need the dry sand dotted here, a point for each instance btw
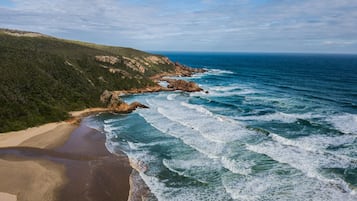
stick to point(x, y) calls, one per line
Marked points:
point(61, 161)
point(7, 197)
point(45, 136)
point(30, 178)
point(88, 111)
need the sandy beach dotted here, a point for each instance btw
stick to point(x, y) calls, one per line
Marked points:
point(61, 161)
point(44, 136)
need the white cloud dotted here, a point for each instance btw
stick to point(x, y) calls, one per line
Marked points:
point(246, 25)
point(340, 42)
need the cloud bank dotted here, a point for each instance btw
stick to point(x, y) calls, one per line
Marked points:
point(201, 25)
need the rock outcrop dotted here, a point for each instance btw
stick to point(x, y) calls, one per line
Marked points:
point(107, 59)
point(135, 64)
point(127, 108)
point(140, 64)
point(111, 99)
point(180, 71)
point(157, 60)
point(115, 104)
point(185, 71)
point(19, 33)
point(182, 85)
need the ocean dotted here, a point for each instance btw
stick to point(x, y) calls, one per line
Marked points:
point(266, 127)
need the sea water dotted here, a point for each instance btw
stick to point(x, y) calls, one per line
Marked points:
point(269, 127)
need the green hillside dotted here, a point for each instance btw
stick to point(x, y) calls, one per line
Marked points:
point(42, 78)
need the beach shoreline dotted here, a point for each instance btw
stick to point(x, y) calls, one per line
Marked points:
point(24, 173)
point(74, 156)
point(59, 161)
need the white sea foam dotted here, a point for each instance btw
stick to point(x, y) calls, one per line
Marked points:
point(279, 102)
point(242, 92)
point(109, 121)
point(198, 127)
point(194, 162)
point(140, 160)
point(225, 88)
point(308, 162)
point(315, 142)
point(236, 88)
point(319, 144)
point(171, 97)
point(226, 91)
point(112, 130)
point(111, 146)
point(303, 144)
point(277, 116)
point(195, 125)
point(187, 135)
point(198, 108)
point(346, 123)
point(155, 186)
point(242, 188)
point(214, 128)
point(204, 126)
point(198, 75)
point(139, 145)
point(163, 193)
point(218, 72)
point(194, 168)
point(274, 186)
point(163, 83)
point(133, 146)
point(138, 188)
point(108, 129)
point(168, 166)
point(237, 167)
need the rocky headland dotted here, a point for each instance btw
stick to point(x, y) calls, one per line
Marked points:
point(115, 104)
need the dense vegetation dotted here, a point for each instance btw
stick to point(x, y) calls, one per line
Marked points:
point(42, 78)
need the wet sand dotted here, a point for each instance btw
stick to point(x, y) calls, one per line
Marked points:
point(96, 174)
point(58, 164)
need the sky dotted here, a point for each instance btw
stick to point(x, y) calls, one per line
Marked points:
point(319, 26)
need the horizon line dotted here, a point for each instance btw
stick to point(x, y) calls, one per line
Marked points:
point(251, 52)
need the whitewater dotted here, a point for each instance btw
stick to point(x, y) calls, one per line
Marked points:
point(269, 127)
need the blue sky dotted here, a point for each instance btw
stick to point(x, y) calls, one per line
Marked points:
point(328, 26)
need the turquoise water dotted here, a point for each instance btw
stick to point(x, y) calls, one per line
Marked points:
point(271, 127)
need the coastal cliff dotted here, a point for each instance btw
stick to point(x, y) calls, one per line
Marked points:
point(42, 78)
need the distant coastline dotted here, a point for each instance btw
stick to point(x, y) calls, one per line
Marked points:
point(56, 150)
point(252, 53)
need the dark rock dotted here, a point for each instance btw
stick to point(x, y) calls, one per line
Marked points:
point(116, 104)
point(106, 97)
point(111, 99)
point(183, 85)
point(135, 105)
point(126, 108)
point(185, 71)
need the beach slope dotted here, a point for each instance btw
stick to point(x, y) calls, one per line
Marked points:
point(61, 161)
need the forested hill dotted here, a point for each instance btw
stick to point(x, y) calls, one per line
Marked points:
point(42, 77)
